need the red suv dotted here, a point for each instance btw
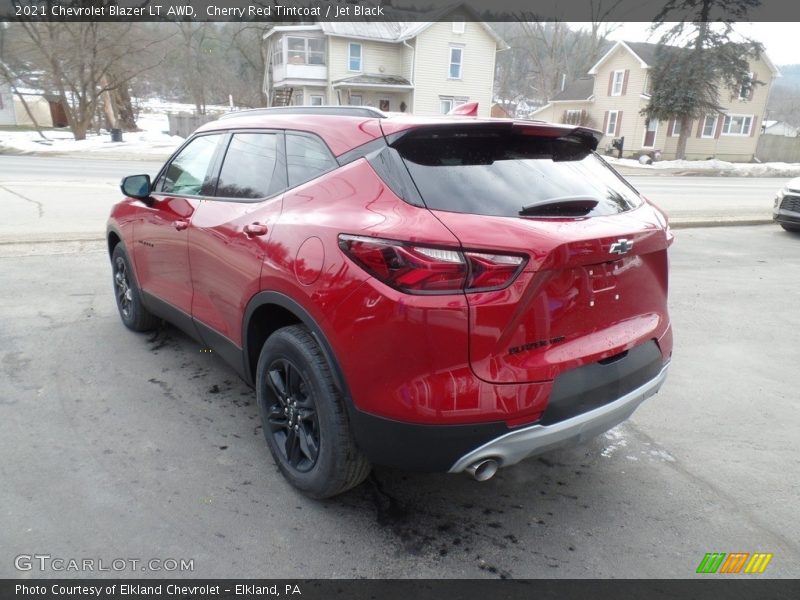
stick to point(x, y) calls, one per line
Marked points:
point(448, 294)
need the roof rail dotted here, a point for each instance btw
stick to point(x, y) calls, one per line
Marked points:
point(342, 111)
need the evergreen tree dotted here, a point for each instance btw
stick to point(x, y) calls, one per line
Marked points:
point(699, 60)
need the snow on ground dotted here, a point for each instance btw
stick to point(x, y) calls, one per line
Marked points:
point(153, 140)
point(711, 167)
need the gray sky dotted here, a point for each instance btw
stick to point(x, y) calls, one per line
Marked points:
point(780, 39)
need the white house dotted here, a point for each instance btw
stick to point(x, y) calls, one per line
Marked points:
point(425, 67)
point(616, 89)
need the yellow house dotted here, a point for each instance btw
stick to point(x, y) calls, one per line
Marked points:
point(424, 68)
point(617, 88)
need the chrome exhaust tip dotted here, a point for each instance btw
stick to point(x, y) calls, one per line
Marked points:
point(484, 469)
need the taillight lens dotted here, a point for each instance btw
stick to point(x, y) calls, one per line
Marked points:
point(419, 269)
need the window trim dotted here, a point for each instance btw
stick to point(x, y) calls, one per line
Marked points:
point(212, 169)
point(313, 136)
point(306, 51)
point(321, 99)
point(360, 68)
point(280, 166)
point(621, 73)
point(454, 101)
point(749, 88)
point(714, 120)
point(460, 63)
point(616, 122)
point(655, 132)
point(676, 127)
point(729, 119)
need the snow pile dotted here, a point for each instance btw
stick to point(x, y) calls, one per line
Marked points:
point(719, 167)
point(152, 141)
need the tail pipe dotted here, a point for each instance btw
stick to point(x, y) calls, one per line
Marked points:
point(484, 469)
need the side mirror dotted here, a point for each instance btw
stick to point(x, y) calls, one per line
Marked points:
point(136, 186)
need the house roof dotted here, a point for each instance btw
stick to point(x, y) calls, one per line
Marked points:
point(577, 89)
point(645, 53)
point(373, 79)
point(390, 31)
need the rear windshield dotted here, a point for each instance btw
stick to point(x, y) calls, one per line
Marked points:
point(510, 174)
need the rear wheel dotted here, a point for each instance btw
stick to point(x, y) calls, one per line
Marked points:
point(304, 418)
point(791, 228)
point(129, 301)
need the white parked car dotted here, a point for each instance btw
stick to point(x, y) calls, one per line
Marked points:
point(786, 210)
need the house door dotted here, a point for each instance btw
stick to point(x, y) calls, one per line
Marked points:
point(650, 133)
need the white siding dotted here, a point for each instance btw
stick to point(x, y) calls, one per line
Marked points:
point(377, 58)
point(433, 62)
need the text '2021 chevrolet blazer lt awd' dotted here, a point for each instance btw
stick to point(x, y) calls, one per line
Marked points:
point(440, 294)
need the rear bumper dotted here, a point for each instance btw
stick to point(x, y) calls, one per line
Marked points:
point(513, 447)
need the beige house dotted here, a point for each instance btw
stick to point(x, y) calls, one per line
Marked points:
point(616, 89)
point(424, 68)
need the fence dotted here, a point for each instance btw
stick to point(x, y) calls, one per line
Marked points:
point(183, 124)
point(777, 148)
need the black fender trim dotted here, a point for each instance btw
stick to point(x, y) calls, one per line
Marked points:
point(284, 301)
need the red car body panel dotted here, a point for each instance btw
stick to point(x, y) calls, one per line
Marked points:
point(161, 254)
point(226, 261)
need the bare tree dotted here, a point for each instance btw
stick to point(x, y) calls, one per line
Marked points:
point(83, 62)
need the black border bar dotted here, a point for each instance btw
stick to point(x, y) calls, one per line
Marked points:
point(292, 11)
point(710, 588)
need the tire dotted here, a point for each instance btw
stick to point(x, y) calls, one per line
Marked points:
point(791, 228)
point(304, 417)
point(126, 292)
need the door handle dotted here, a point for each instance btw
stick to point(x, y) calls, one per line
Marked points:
point(180, 225)
point(255, 229)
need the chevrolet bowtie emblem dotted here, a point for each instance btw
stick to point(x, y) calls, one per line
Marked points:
point(621, 247)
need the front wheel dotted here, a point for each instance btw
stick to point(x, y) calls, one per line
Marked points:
point(304, 417)
point(129, 301)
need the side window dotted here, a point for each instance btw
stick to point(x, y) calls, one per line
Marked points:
point(306, 157)
point(188, 173)
point(249, 166)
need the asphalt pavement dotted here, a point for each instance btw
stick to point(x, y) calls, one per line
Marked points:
point(140, 446)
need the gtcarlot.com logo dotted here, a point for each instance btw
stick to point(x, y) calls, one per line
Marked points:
point(47, 562)
point(734, 562)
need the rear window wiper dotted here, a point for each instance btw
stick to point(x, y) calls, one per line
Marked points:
point(563, 206)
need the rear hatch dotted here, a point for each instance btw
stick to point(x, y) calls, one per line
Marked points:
point(595, 281)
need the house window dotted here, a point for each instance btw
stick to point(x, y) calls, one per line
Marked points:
point(356, 100)
point(384, 104)
point(613, 118)
point(676, 127)
point(448, 103)
point(354, 57)
point(306, 51)
point(573, 117)
point(277, 52)
point(616, 86)
point(298, 99)
point(708, 126)
point(737, 124)
point(746, 88)
point(647, 90)
point(316, 100)
point(456, 60)
point(458, 26)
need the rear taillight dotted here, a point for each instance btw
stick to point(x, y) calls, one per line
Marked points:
point(419, 269)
